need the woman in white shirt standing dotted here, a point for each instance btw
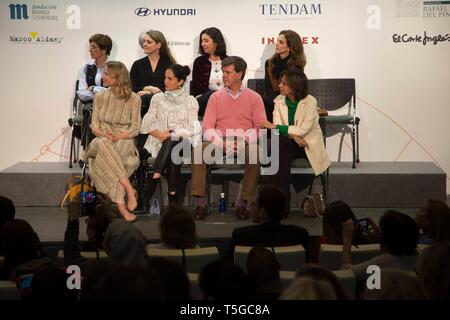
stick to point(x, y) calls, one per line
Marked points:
point(172, 117)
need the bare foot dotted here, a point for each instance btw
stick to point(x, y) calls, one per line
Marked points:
point(127, 216)
point(130, 217)
point(132, 201)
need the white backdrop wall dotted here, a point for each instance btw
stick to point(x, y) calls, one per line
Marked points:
point(403, 92)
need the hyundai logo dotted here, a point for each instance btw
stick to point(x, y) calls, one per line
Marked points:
point(142, 12)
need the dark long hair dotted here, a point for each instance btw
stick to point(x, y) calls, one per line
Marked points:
point(296, 58)
point(217, 37)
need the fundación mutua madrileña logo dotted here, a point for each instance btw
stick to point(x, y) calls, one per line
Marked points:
point(45, 12)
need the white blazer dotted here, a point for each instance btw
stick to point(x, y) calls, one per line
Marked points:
point(306, 125)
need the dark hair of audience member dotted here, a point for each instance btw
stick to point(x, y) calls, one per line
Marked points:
point(396, 284)
point(318, 273)
point(434, 270)
point(436, 221)
point(173, 278)
point(7, 213)
point(273, 201)
point(264, 269)
point(128, 283)
point(223, 280)
point(51, 284)
point(177, 228)
point(93, 271)
point(7, 210)
point(20, 244)
point(399, 233)
point(334, 215)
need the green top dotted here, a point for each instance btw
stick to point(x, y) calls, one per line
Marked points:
point(292, 108)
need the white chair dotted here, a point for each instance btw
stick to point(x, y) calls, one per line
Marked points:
point(192, 260)
point(330, 254)
point(347, 280)
point(8, 291)
point(286, 278)
point(289, 257)
point(90, 255)
point(196, 291)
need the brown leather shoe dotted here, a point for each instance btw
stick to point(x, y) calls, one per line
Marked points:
point(242, 213)
point(200, 213)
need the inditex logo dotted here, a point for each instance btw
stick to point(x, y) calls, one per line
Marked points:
point(18, 11)
point(144, 12)
point(290, 9)
point(305, 40)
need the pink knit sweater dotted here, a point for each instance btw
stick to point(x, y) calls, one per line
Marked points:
point(223, 112)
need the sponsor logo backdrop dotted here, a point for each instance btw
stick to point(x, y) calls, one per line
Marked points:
point(396, 50)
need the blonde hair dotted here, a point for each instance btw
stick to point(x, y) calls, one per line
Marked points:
point(118, 71)
point(306, 288)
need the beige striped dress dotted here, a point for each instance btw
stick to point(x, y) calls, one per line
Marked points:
point(109, 161)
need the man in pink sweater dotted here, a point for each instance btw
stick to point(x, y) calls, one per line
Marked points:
point(233, 113)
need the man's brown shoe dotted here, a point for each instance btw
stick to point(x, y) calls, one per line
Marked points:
point(242, 213)
point(200, 213)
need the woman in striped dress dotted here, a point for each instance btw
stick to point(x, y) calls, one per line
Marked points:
point(113, 155)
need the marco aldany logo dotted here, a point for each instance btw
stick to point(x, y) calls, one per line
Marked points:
point(34, 37)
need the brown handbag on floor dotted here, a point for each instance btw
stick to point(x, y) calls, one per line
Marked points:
point(313, 205)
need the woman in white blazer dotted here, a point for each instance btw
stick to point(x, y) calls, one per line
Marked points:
point(296, 119)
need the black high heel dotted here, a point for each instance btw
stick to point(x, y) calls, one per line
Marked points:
point(172, 198)
point(150, 190)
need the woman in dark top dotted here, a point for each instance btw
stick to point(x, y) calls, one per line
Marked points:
point(147, 74)
point(289, 54)
point(207, 71)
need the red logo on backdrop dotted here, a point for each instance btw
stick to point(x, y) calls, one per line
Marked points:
point(305, 40)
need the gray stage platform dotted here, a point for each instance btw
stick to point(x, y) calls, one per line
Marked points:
point(370, 185)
